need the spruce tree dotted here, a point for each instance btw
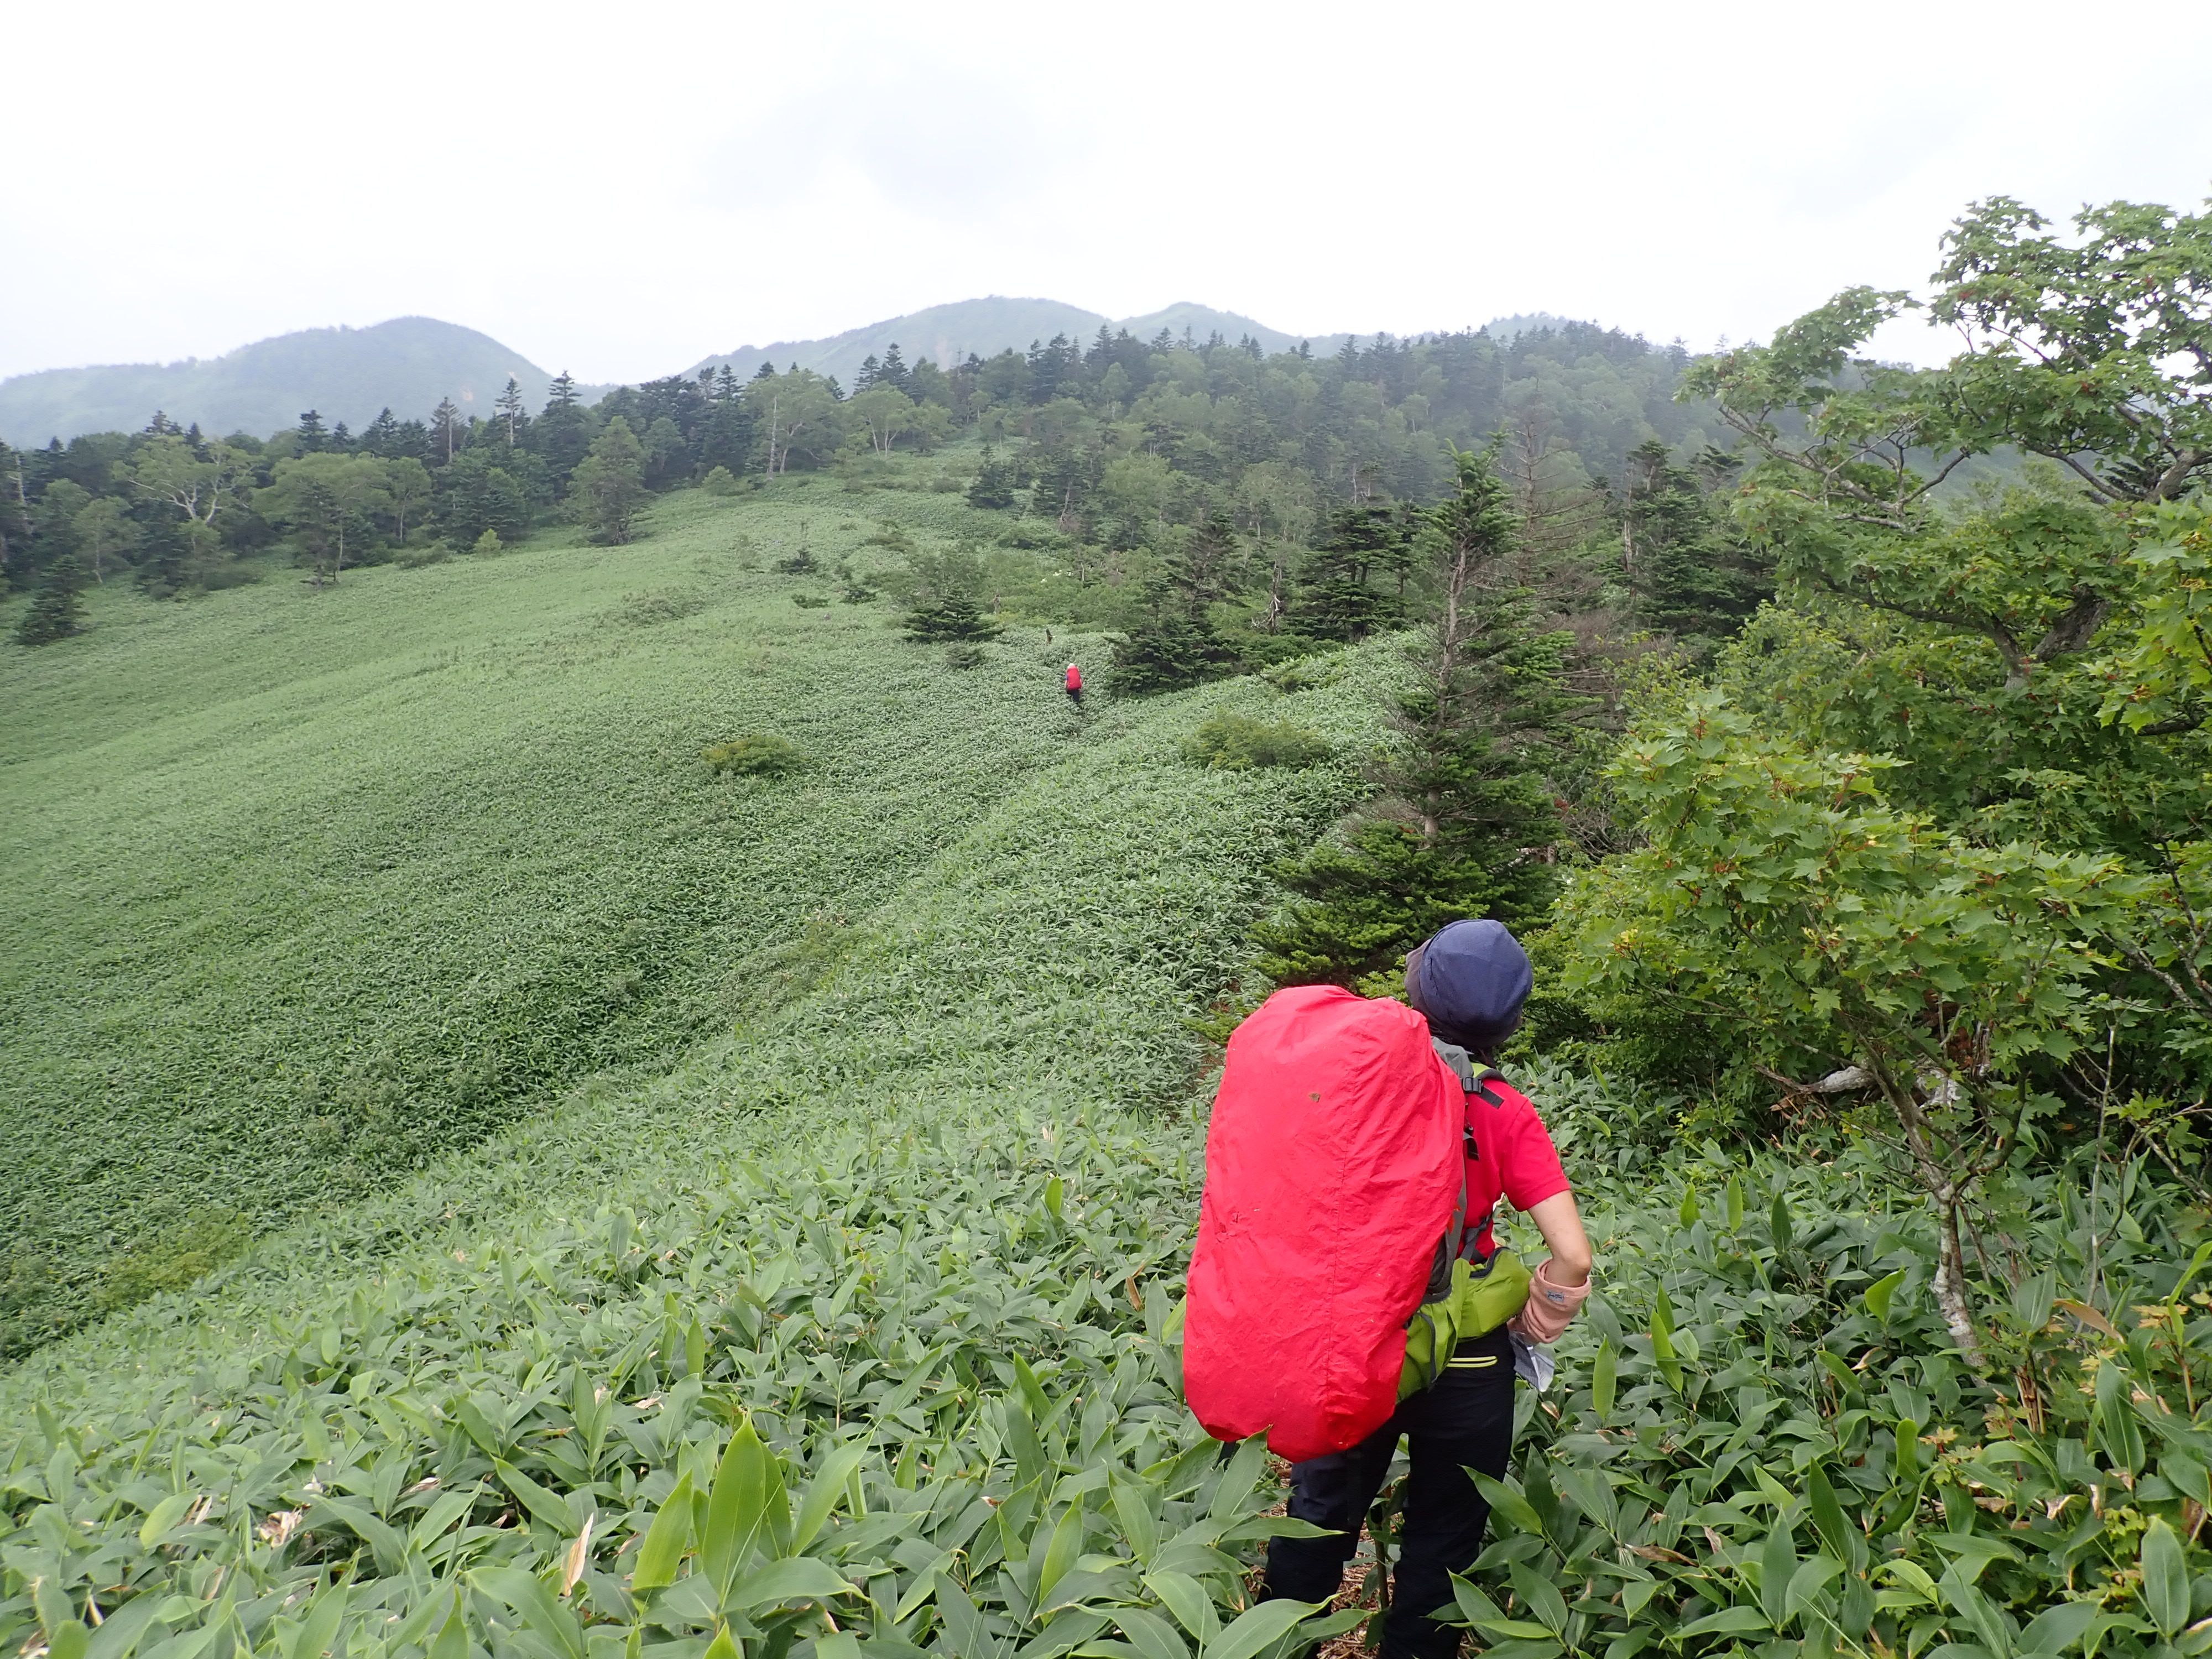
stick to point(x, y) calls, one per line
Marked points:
point(313, 439)
point(945, 604)
point(1337, 598)
point(1686, 572)
point(57, 612)
point(1466, 822)
point(509, 405)
point(1174, 643)
point(995, 481)
point(446, 433)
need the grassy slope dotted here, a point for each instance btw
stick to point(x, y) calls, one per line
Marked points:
point(1015, 1007)
point(296, 892)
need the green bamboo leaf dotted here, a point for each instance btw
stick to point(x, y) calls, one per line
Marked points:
point(546, 1505)
point(1727, 1621)
point(1060, 1553)
point(1138, 1525)
point(1828, 1519)
point(1514, 1630)
point(69, 1640)
point(832, 1481)
point(318, 1634)
point(1734, 1198)
point(1777, 1223)
point(1183, 1596)
point(795, 1578)
point(453, 1640)
point(1663, 1352)
point(923, 1588)
point(163, 1516)
point(2165, 1578)
point(666, 1540)
point(1258, 1627)
point(1807, 1581)
point(735, 1503)
point(1150, 1634)
point(1604, 1379)
point(1506, 1501)
point(1877, 1294)
point(1541, 1597)
point(722, 1646)
point(529, 1597)
point(1778, 1565)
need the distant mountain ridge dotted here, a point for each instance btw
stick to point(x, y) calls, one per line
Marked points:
point(346, 373)
point(946, 334)
point(409, 363)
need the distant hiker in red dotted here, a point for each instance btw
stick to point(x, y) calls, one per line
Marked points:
point(1346, 1289)
point(1075, 685)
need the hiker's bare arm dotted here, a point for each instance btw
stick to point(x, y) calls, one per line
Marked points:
point(1561, 1224)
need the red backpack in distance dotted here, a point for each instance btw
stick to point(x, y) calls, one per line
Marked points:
point(1333, 1166)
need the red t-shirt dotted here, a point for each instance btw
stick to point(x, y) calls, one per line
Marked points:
point(1074, 678)
point(1514, 1158)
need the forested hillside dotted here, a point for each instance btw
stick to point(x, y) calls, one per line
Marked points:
point(610, 1067)
point(347, 373)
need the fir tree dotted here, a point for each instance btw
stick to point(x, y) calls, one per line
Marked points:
point(381, 435)
point(446, 433)
point(57, 612)
point(509, 405)
point(946, 605)
point(1686, 573)
point(1337, 598)
point(1466, 819)
point(995, 481)
point(561, 394)
point(313, 439)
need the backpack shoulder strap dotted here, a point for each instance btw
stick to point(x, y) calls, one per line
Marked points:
point(1479, 1084)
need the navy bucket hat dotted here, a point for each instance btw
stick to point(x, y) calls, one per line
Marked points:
point(1471, 979)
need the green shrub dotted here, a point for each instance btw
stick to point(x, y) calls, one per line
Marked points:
point(1306, 673)
point(963, 654)
point(810, 602)
point(173, 1257)
point(1230, 742)
point(435, 551)
point(489, 544)
point(720, 482)
point(759, 755)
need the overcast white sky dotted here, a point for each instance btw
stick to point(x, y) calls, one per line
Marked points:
point(621, 189)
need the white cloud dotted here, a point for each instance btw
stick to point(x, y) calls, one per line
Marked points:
point(622, 192)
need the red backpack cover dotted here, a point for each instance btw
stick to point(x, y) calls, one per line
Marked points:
point(1333, 1166)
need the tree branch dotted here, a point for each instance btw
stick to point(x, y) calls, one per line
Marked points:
point(1988, 626)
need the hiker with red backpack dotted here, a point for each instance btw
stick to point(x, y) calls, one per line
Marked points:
point(1347, 1289)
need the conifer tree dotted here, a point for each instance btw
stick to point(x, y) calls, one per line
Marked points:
point(1337, 598)
point(446, 433)
point(57, 612)
point(1688, 574)
point(1466, 821)
point(313, 439)
point(946, 600)
point(995, 481)
point(509, 405)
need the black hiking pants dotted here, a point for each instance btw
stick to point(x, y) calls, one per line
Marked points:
point(1466, 1421)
